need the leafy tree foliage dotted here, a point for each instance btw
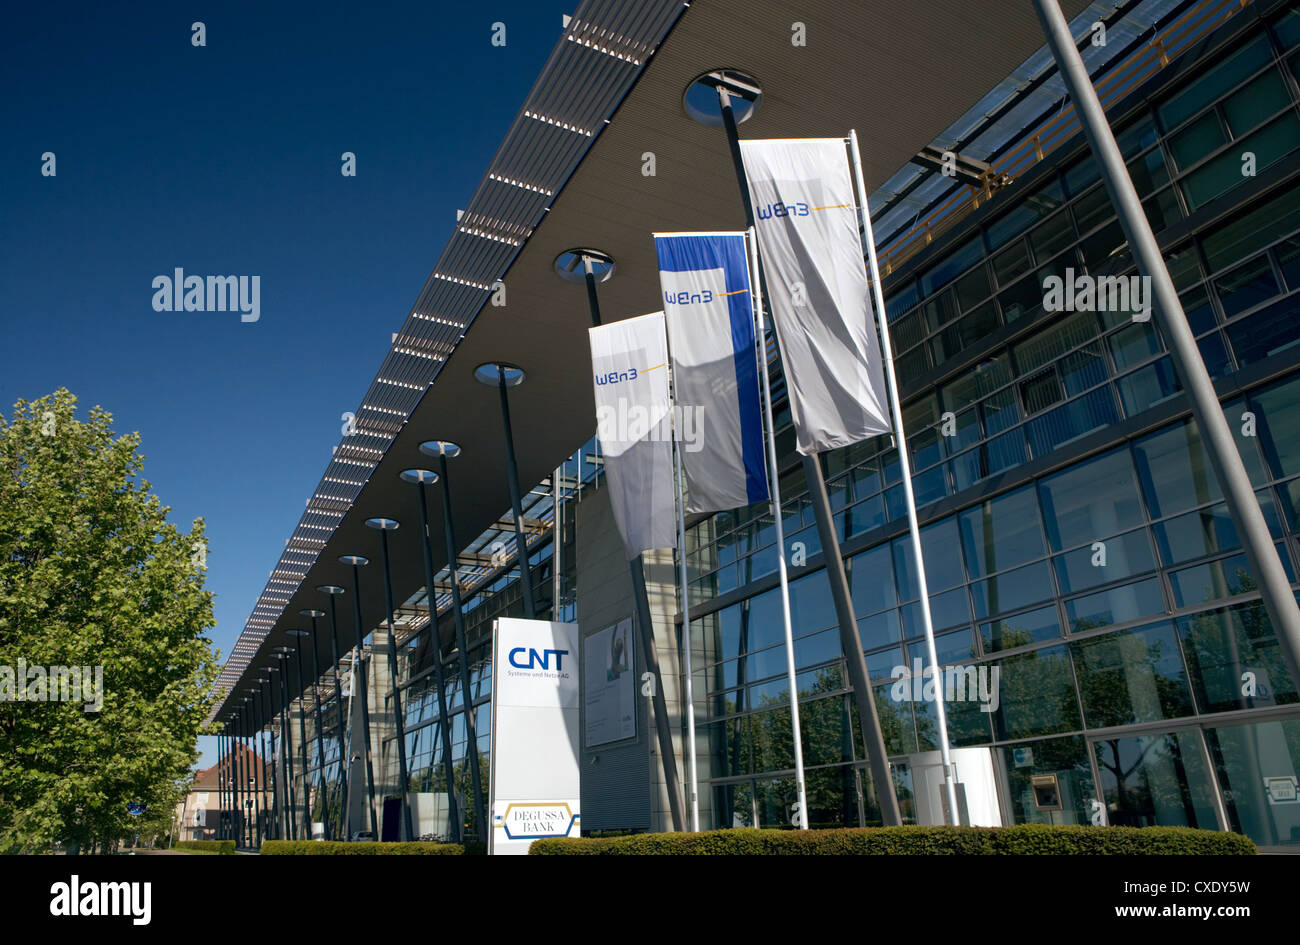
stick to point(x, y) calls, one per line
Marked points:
point(93, 575)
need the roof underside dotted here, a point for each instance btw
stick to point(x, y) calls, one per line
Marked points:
point(898, 73)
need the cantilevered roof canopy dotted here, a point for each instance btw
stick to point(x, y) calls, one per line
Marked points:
point(897, 72)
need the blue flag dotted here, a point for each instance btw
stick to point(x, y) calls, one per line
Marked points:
point(716, 407)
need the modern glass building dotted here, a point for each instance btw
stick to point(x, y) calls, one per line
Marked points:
point(1079, 555)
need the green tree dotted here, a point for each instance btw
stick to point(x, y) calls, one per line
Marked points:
point(93, 575)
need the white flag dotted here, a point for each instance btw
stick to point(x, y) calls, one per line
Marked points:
point(629, 361)
point(807, 226)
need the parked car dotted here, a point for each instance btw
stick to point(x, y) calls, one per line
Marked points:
point(362, 836)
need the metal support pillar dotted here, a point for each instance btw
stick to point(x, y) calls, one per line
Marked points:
point(458, 619)
point(455, 821)
point(837, 578)
point(1239, 495)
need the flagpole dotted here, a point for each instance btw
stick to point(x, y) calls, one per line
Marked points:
point(774, 492)
point(873, 738)
point(905, 468)
point(689, 693)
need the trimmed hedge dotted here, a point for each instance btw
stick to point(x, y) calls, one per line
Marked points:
point(225, 847)
point(1033, 839)
point(339, 848)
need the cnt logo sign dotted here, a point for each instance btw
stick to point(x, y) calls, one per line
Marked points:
point(522, 657)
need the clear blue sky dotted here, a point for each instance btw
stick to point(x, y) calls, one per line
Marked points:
point(225, 160)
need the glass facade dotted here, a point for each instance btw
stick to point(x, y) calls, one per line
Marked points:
point(1078, 551)
point(1074, 534)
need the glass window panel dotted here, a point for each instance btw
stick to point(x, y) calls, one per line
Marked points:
point(1214, 352)
point(1259, 99)
point(902, 297)
point(1034, 626)
point(1131, 677)
point(1271, 143)
point(1207, 531)
point(1199, 311)
point(1106, 250)
point(896, 723)
point(1012, 263)
point(1244, 233)
point(1071, 420)
point(1041, 391)
point(1215, 580)
point(1098, 497)
point(1033, 207)
point(958, 647)
point(967, 431)
point(1278, 425)
point(1175, 470)
point(1288, 257)
point(941, 553)
point(1148, 172)
point(1117, 605)
point(1264, 333)
point(1221, 645)
point(811, 607)
point(987, 376)
point(1158, 780)
point(1037, 695)
point(1000, 411)
point(1083, 369)
point(1287, 28)
point(863, 516)
point(1051, 236)
point(1197, 140)
point(1002, 533)
point(1246, 286)
point(929, 486)
point(1053, 340)
point(1023, 298)
point(972, 288)
point(940, 310)
point(1184, 266)
point(1180, 106)
point(955, 262)
point(1123, 556)
point(1133, 344)
point(1092, 209)
point(1067, 760)
point(879, 629)
point(1257, 765)
point(908, 331)
point(1082, 174)
point(946, 610)
point(911, 366)
point(1012, 590)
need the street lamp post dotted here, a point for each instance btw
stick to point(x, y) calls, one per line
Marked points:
point(358, 562)
point(502, 375)
point(384, 526)
point(419, 477)
point(445, 450)
point(333, 590)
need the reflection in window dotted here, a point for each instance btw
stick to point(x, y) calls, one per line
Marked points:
point(1259, 768)
point(1156, 780)
point(1132, 676)
point(1067, 759)
point(1234, 659)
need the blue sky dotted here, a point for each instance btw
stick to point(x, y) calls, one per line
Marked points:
point(225, 160)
